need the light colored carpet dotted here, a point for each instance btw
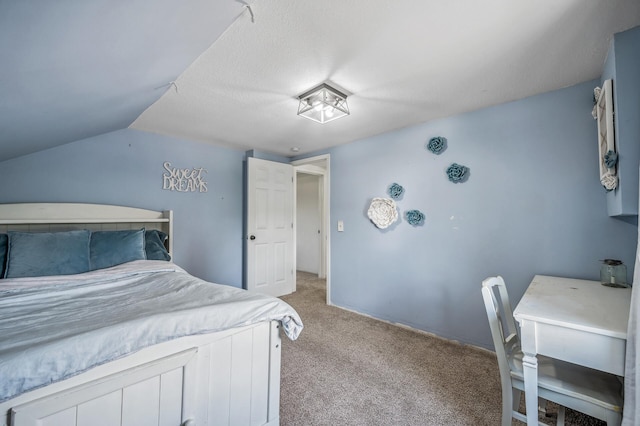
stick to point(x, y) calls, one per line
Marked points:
point(349, 369)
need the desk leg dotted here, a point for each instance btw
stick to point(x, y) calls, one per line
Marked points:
point(530, 370)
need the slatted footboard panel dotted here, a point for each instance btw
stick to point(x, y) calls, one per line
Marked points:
point(146, 395)
point(232, 380)
point(242, 383)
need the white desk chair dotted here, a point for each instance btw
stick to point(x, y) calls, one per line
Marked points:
point(589, 391)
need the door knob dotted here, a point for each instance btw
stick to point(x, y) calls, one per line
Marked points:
point(252, 237)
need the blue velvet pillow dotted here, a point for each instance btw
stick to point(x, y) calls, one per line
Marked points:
point(154, 245)
point(111, 248)
point(36, 254)
point(4, 239)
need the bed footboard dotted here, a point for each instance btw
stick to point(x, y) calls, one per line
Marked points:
point(226, 378)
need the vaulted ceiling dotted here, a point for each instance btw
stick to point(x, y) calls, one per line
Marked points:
point(228, 72)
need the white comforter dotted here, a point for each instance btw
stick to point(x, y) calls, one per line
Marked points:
point(52, 328)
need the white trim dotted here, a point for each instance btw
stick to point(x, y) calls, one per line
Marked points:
point(294, 225)
point(75, 212)
point(417, 330)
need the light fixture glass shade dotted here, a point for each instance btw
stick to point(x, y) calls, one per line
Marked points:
point(323, 104)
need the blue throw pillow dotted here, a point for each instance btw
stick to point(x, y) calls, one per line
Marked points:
point(111, 248)
point(47, 253)
point(154, 245)
point(4, 239)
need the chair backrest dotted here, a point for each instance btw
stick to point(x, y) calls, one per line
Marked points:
point(502, 325)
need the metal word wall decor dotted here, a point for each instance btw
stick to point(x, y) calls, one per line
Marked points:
point(183, 180)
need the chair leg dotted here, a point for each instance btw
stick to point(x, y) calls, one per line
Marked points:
point(614, 418)
point(516, 399)
point(561, 413)
point(542, 406)
point(507, 404)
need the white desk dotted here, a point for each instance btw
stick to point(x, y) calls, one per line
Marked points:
point(578, 321)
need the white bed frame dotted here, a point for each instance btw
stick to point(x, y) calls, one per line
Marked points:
point(226, 378)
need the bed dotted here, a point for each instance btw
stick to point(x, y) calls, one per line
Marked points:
point(120, 337)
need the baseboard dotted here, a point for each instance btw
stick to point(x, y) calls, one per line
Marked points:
point(416, 330)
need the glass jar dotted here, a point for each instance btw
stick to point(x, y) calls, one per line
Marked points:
point(613, 273)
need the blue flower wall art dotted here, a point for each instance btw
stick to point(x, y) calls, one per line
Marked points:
point(415, 217)
point(396, 191)
point(437, 145)
point(610, 159)
point(457, 173)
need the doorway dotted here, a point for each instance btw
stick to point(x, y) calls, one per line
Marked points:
point(308, 223)
point(312, 218)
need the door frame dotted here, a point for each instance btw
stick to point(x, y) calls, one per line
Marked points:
point(306, 165)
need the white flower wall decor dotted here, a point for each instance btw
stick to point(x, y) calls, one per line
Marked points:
point(382, 212)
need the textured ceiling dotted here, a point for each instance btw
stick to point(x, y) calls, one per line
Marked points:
point(73, 69)
point(403, 62)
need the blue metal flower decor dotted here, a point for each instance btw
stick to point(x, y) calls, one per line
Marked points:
point(457, 173)
point(437, 145)
point(610, 159)
point(415, 217)
point(396, 191)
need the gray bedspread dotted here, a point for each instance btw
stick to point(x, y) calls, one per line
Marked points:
point(52, 328)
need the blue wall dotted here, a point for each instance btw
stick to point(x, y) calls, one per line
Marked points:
point(533, 204)
point(126, 167)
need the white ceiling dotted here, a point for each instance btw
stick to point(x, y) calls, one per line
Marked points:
point(402, 62)
point(74, 69)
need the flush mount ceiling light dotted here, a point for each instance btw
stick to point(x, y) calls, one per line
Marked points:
point(323, 104)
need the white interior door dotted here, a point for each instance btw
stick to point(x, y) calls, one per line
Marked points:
point(270, 234)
